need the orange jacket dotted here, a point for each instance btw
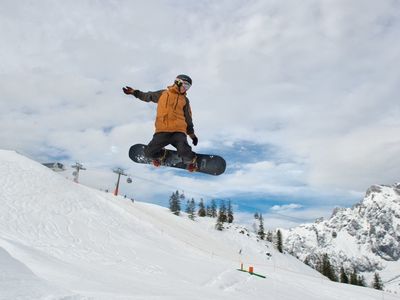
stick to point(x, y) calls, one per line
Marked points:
point(173, 110)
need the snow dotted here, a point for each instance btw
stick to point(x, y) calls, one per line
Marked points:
point(62, 240)
point(367, 237)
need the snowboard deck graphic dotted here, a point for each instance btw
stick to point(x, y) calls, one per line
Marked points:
point(208, 164)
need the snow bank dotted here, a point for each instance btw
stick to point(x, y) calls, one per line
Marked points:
point(62, 240)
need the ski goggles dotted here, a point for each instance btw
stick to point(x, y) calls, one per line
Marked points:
point(186, 85)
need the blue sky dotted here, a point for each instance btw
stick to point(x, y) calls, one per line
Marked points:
point(301, 98)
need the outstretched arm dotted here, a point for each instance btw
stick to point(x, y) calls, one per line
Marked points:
point(147, 97)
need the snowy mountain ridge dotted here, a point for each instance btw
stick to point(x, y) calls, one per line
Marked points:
point(365, 237)
point(61, 240)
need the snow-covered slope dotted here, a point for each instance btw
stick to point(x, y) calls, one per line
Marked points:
point(365, 237)
point(61, 240)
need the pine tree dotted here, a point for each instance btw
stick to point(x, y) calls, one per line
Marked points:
point(230, 212)
point(377, 283)
point(307, 261)
point(219, 225)
point(318, 265)
point(361, 281)
point(213, 209)
point(327, 268)
point(181, 198)
point(261, 232)
point(202, 211)
point(187, 210)
point(174, 203)
point(279, 242)
point(270, 236)
point(256, 216)
point(354, 278)
point(343, 276)
point(192, 209)
point(222, 216)
point(208, 211)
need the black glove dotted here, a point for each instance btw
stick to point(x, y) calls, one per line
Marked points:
point(194, 138)
point(128, 90)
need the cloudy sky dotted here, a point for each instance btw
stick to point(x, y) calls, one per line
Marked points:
point(300, 97)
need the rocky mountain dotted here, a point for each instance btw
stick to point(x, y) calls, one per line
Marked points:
point(365, 237)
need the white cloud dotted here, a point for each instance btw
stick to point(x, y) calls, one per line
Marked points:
point(286, 218)
point(286, 207)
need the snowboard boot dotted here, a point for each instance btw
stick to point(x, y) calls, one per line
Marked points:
point(156, 162)
point(159, 161)
point(192, 166)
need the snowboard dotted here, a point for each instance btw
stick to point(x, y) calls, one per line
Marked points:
point(208, 164)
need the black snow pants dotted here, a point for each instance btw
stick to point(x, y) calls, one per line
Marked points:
point(154, 149)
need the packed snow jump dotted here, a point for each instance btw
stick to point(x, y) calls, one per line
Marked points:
point(172, 126)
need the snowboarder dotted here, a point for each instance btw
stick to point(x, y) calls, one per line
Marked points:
point(173, 121)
